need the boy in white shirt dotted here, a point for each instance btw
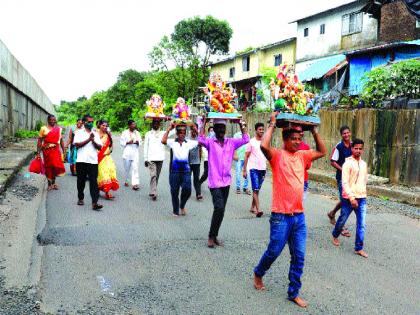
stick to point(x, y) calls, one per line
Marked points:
point(180, 172)
point(130, 140)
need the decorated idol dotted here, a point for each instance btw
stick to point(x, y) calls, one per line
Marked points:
point(155, 107)
point(181, 112)
point(289, 93)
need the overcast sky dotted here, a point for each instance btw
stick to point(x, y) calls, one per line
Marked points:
point(77, 47)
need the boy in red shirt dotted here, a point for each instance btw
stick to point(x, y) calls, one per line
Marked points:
point(287, 222)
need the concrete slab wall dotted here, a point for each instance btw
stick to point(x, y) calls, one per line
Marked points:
point(392, 139)
point(22, 101)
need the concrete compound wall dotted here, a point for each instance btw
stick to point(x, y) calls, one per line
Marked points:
point(22, 101)
point(392, 139)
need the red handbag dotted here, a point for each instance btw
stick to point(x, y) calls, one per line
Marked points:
point(37, 166)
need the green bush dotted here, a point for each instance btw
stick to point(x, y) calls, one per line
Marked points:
point(388, 82)
point(24, 134)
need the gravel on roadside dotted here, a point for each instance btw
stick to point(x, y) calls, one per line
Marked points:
point(374, 204)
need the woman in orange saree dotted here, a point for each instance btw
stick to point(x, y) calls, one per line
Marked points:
point(107, 173)
point(49, 142)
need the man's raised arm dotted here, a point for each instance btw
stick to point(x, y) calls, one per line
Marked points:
point(266, 140)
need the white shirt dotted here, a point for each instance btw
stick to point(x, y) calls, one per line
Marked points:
point(180, 154)
point(87, 153)
point(256, 159)
point(154, 149)
point(131, 150)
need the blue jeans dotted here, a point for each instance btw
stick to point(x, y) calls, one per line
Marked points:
point(346, 210)
point(291, 230)
point(179, 181)
point(340, 189)
point(239, 166)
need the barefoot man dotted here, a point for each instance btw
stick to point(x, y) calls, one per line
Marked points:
point(354, 181)
point(340, 152)
point(287, 222)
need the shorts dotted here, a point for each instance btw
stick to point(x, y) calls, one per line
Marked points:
point(257, 178)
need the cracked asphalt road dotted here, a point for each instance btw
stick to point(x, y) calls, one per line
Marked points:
point(154, 263)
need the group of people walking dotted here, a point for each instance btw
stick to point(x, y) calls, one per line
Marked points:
point(90, 153)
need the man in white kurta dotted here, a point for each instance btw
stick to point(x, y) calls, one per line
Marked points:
point(130, 140)
point(154, 155)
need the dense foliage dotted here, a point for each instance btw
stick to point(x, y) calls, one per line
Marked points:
point(401, 79)
point(180, 64)
point(24, 134)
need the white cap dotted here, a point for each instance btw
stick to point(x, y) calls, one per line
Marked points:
point(219, 121)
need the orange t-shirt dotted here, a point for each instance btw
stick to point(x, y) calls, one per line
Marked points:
point(288, 178)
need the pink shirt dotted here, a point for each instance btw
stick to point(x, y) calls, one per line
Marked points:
point(220, 158)
point(256, 158)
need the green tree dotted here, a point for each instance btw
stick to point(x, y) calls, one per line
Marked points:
point(185, 55)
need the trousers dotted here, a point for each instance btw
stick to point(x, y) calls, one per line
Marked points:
point(220, 197)
point(179, 181)
point(131, 168)
point(85, 170)
point(195, 169)
point(291, 230)
point(154, 168)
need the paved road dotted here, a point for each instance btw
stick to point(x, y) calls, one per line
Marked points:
point(158, 264)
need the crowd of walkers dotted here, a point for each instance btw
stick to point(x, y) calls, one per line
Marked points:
point(88, 152)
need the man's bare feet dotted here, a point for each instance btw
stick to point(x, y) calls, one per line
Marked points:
point(300, 302)
point(336, 241)
point(258, 283)
point(331, 216)
point(211, 243)
point(184, 211)
point(361, 253)
point(218, 242)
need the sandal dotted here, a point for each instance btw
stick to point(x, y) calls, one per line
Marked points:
point(136, 187)
point(361, 253)
point(97, 207)
point(345, 232)
point(55, 186)
point(108, 196)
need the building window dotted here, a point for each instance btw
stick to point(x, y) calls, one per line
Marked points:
point(232, 72)
point(418, 23)
point(278, 59)
point(306, 32)
point(322, 29)
point(245, 63)
point(352, 23)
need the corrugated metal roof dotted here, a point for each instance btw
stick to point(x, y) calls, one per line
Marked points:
point(383, 46)
point(319, 68)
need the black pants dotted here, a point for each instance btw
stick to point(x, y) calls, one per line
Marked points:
point(195, 168)
point(90, 170)
point(180, 181)
point(220, 196)
point(205, 173)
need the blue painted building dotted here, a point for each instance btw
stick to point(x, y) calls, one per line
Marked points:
point(364, 60)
